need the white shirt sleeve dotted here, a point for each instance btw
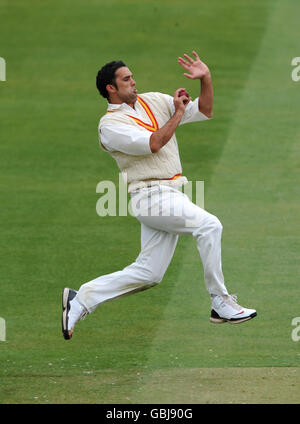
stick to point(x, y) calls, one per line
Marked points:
point(125, 139)
point(191, 113)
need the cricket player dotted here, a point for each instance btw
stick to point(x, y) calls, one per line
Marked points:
point(138, 131)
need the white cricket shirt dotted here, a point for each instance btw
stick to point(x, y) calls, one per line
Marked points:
point(136, 142)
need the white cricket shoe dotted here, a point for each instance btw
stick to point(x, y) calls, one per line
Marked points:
point(226, 309)
point(72, 312)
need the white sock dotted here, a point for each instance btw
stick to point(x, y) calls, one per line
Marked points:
point(76, 310)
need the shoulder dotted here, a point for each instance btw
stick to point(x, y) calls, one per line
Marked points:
point(111, 118)
point(155, 98)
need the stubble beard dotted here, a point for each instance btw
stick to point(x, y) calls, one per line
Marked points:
point(129, 98)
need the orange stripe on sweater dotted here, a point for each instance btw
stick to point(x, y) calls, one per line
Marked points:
point(154, 126)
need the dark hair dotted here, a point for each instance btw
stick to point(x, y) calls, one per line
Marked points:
point(106, 75)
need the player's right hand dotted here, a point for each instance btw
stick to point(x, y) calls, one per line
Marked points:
point(180, 102)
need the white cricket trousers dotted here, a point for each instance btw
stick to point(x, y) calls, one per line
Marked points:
point(164, 213)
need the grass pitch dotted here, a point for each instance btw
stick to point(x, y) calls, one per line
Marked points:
point(158, 345)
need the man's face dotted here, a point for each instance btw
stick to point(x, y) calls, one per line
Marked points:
point(125, 86)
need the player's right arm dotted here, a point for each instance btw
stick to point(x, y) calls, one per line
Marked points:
point(161, 137)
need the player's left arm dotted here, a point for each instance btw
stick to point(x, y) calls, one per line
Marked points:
point(199, 70)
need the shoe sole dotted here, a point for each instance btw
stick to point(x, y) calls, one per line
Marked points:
point(65, 309)
point(220, 320)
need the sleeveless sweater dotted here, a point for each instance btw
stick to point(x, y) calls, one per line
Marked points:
point(153, 168)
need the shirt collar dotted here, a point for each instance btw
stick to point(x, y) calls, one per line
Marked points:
point(123, 106)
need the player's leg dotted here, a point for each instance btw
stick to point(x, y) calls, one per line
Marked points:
point(181, 216)
point(157, 249)
point(172, 211)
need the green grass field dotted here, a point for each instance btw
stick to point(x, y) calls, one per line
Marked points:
point(156, 346)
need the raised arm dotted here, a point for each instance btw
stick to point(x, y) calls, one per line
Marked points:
point(198, 70)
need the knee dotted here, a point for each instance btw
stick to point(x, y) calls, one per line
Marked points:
point(148, 271)
point(216, 224)
point(211, 226)
point(154, 278)
point(145, 274)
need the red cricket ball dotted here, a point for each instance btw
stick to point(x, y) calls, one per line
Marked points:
point(183, 93)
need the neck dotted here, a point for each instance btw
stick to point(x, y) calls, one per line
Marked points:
point(115, 100)
point(120, 103)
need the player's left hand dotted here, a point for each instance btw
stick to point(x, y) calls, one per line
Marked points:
point(196, 68)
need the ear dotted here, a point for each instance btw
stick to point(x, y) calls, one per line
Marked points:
point(111, 89)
